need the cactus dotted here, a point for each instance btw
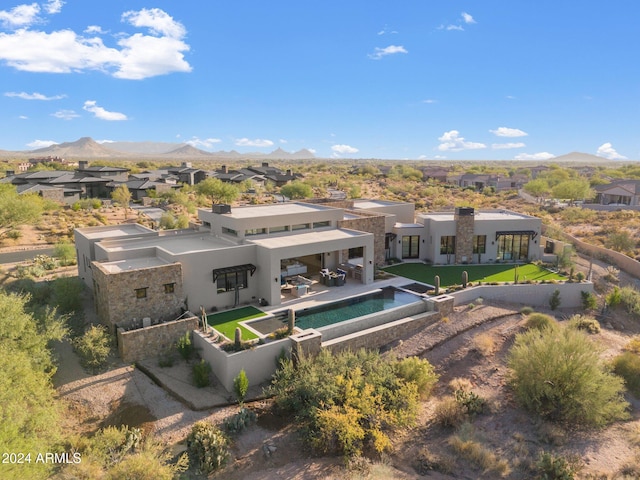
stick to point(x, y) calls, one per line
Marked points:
point(238, 340)
point(437, 284)
point(465, 279)
point(516, 276)
point(292, 321)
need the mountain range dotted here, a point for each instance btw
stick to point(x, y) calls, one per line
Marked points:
point(86, 147)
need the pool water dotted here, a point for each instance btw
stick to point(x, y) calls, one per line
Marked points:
point(384, 299)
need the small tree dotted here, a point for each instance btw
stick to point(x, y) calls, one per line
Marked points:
point(93, 348)
point(297, 190)
point(65, 253)
point(554, 301)
point(589, 300)
point(122, 195)
point(241, 386)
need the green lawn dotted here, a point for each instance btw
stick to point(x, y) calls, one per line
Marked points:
point(226, 322)
point(452, 274)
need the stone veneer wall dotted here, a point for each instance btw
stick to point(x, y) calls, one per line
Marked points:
point(464, 237)
point(370, 223)
point(115, 294)
point(136, 345)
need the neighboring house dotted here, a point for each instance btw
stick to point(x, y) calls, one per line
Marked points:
point(437, 174)
point(275, 175)
point(187, 174)
point(244, 254)
point(61, 195)
point(140, 188)
point(537, 170)
point(481, 181)
point(619, 192)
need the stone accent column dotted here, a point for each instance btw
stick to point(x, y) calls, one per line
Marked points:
point(464, 217)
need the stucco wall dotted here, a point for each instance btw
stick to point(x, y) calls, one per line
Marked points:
point(136, 345)
point(116, 300)
point(534, 295)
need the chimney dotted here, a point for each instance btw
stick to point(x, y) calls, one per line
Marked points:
point(186, 164)
point(289, 172)
point(82, 164)
point(223, 168)
point(265, 164)
point(9, 173)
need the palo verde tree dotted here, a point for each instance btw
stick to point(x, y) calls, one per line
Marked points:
point(16, 210)
point(297, 190)
point(217, 190)
point(122, 196)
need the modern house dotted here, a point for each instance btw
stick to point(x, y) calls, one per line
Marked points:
point(619, 193)
point(245, 254)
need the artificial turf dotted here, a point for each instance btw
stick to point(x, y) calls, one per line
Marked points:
point(452, 274)
point(226, 322)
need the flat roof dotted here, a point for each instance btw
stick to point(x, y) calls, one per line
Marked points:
point(173, 244)
point(133, 264)
point(114, 231)
point(275, 209)
point(479, 215)
point(308, 238)
point(375, 203)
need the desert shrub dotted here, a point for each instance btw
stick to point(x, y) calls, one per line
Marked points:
point(526, 310)
point(466, 444)
point(589, 300)
point(555, 300)
point(93, 348)
point(612, 274)
point(237, 422)
point(633, 345)
point(627, 365)
point(351, 400)
point(558, 374)
point(201, 371)
point(65, 253)
point(540, 321)
point(460, 383)
point(552, 467)
point(614, 298)
point(418, 371)
point(471, 403)
point(67, 294)
point(207, 447)
point(630, 299)
point(587, 324)
point(184, 346)
point(449, 412)
point(241, 386)
point(484, 344)
point(14, 234)
point(580, 276)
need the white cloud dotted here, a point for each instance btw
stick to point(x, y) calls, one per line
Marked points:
point(534, 156)
point(454, 27)
point(510, 97)
point(258, 142)
point(504, 146)
point(453, 142)
point(94, 30)
point(41, 144)
point(466, 18)
point(344, 149)
point(20, 16)
point(23, 117)
point(386, 31)
point(32, 96)
point(429, 101)
point(606, 150)
point(65, 114)
point(138, 56)
point(104, 141)
point(282, 140)
point(53, 6)
point(378, 53)
point(101, 113)
point(312, 150)
point(205, 143)
point(508, 132)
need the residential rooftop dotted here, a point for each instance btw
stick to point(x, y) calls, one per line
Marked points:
point(174, 244)
point(133, 264)
point(113, 231)
point(273, 210)
point(478, 214)
point(307, 238)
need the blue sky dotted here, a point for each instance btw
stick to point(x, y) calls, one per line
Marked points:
point(416, 79)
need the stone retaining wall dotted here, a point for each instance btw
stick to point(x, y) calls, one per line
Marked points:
point(135, 345)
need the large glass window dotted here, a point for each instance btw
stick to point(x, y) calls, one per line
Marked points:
point(301, 226)
point(513, 247)
point(321, 224)
point(229, 231)
point(255, 231)
point(410, 246)
point(448, 245)
point(284, 228)
point(227, 282)
point(357, 252)
point(479, 243)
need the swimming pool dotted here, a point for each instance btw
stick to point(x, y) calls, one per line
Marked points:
point(354, 307)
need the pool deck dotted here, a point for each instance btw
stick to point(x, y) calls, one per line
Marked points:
point(321, 294)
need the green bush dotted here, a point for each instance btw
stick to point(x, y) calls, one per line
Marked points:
point(201, 371)
point(627, 365)
point(14, 234)
point(65, 253)
point(614, 298)
point(418, 371)
point(93, 348)
point(587, 324)
point(589, 300)
point(472, 403)
point(67, 294)
point(558, 374)
point(526, 310)
point(184, 346)
point(552, 467)
point(554, 301)
point(238, 422)
point(540, 321)
point(241, 386)
point(349, 401)
point(207, 446)
point(449, 413)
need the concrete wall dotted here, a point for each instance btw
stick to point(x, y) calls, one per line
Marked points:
point(609, 208)
point(404, 212)
point(259, 363)
point(136, 345)
point(116, 300)
point(534, 295)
